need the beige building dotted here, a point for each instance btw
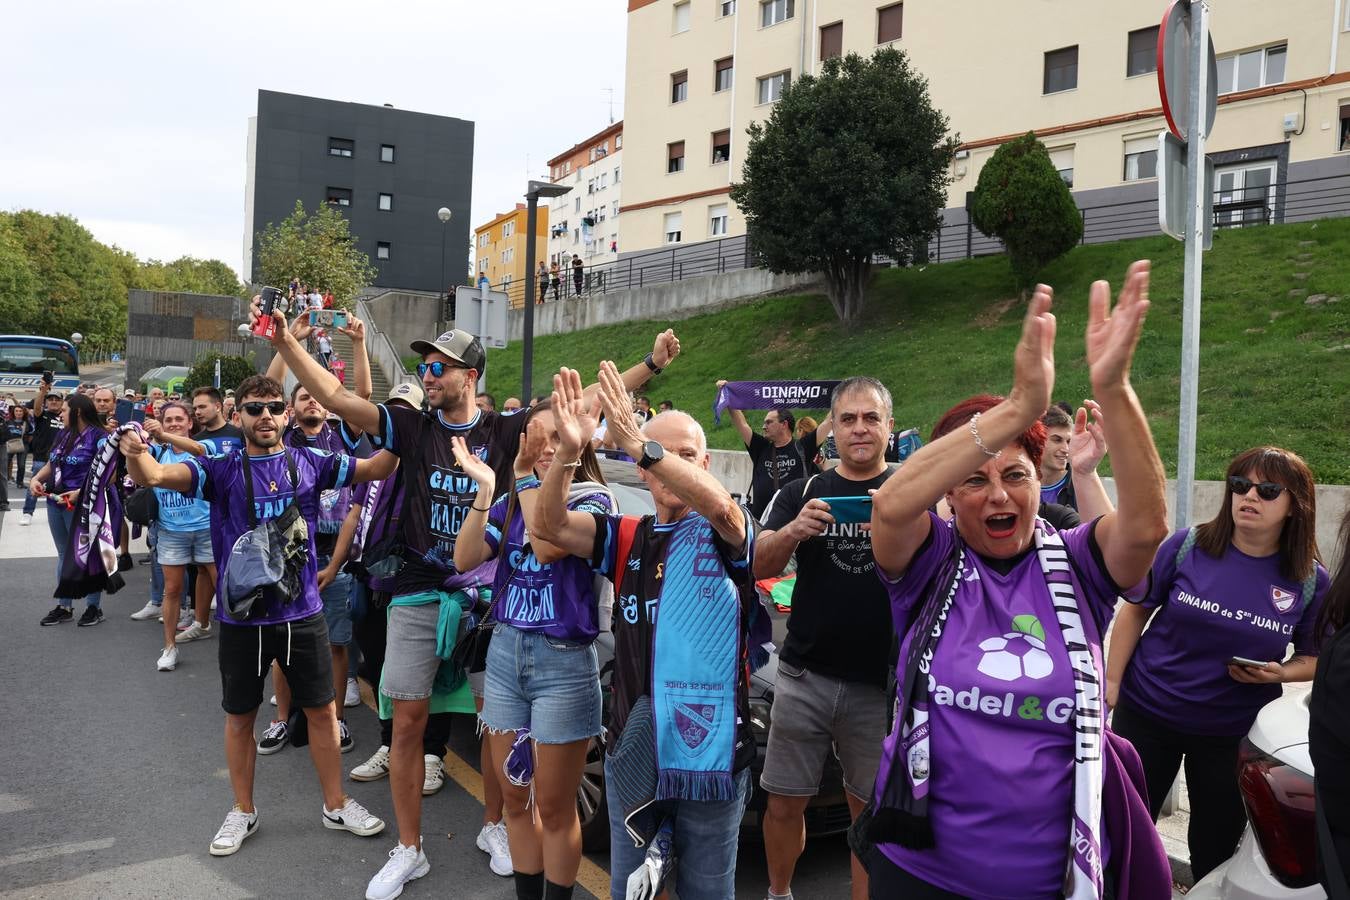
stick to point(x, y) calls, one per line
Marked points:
point(586, 220)
point(499, 250)
point(1082, 75)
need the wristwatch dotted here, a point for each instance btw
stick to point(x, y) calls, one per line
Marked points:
point(650, 360)
point(652, 453)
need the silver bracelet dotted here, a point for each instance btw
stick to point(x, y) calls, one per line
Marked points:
point(979, 442)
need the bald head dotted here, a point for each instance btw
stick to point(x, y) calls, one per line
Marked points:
point(673, 429)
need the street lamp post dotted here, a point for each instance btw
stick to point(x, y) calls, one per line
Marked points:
point(533, 191)
point(444, 215)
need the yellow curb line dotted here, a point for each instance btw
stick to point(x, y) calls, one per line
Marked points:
point(589, 875)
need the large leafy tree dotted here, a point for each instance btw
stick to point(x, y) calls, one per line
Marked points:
point(318, 249)
point(191, 275)
point(851, 164)
point(1021, 200)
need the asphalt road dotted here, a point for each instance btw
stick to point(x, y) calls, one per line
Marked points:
point(113, 778)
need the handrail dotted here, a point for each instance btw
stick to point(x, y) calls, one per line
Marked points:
point(380, 349)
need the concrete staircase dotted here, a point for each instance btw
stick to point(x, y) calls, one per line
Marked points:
point(342, 349)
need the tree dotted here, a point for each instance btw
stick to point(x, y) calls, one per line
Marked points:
point(18, 281)
point(190, 275)
point(318, 249)
point(233, 369)
point(851, 163)
point(1021, 200)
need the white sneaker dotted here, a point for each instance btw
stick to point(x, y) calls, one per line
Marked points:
point(238, 826)
point(194, 632)
point(405, 864)
point(148, 611)
point(373, 769)
point(168, 659)
point(185, 618)
point(26, 519)
point(434, 779)
point(353, 817)
point(353, 697)
point(492, 841)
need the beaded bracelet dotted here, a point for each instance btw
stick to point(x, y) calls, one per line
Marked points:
point(979, 442)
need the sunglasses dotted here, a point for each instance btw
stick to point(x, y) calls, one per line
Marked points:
point(1266, 490)
point(437, 369)
point(256, 407)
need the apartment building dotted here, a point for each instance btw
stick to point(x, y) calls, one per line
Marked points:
point(1082, 75)
point(585, 222)
point(499, 250)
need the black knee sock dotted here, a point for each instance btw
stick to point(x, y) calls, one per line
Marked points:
point(529, 887)
point(557, 892)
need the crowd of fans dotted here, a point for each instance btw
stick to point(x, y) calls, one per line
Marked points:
point(945, 642)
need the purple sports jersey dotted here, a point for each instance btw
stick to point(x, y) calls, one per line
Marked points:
point(1211, 610)
point(556, 598)
point(333, 504)
point(220, 480)
point(1001, 706)
point(71, 457)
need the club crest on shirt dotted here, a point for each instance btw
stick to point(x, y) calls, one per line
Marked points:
point(1282, 599)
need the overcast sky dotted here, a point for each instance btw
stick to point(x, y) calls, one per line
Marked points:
point(132, 116)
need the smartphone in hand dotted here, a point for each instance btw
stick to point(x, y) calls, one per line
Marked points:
point(1245, 662)
point(850, 510)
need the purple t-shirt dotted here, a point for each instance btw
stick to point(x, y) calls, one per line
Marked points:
point(1214, 609)
point(220, 480)
point(333, 504)
point(71, 458)
point(1001, 705)
point(558, 598)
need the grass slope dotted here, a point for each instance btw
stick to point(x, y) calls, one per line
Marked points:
point(1268, 370)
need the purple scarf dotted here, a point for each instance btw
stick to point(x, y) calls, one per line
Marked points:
point(90, 563)
point(773, 395)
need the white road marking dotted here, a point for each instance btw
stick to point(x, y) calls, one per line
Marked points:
point(40, 853)
point(177, 876)
point(12, 803)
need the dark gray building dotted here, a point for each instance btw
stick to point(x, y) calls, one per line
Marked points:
point(388, 169)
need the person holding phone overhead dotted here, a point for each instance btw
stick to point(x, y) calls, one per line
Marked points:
point(1242, 586)
point(832, 668)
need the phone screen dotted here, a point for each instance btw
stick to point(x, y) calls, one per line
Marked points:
point(850, 510)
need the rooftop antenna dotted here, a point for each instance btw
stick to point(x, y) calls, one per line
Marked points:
point(610, 91)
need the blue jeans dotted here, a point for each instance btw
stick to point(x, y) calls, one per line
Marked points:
point(156, 573)
point(60, 520)
point(549, 686)
point(706, 833)
point(29, 500)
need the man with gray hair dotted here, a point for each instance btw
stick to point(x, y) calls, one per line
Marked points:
point(832, 667)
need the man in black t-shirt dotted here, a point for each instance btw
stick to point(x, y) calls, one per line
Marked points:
point(830, 692)
point(776, 455)
point(46, 409)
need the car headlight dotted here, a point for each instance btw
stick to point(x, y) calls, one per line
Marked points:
point(759, 718)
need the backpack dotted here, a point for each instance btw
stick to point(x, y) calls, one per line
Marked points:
point(1309, 583)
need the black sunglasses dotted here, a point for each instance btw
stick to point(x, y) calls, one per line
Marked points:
point(256, 407)
point(1266, 490)
point(437, 369)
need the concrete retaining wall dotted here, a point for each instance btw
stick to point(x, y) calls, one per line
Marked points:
point(670, 301)
point(406, 317)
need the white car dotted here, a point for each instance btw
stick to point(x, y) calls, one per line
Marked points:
point(1277, 857)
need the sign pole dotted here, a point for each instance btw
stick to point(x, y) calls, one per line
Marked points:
point(1196, 188)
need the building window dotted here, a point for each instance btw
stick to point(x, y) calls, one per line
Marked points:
point(590, 186)
point(616, 174)
point(675, 157)
point(1141, 158)
point(831, 41)
point(618, 142)
point(726, 8)
point(721, 146)
point(889, 19)
point(1061, 70)
point(508, 229)
point(1062, 159)
point(386, 202)
point(679, 87)
point(506, 281)
point(1251, 69)
point(381, 249)
point(604, 180)
point(576, 235)
point(578, 206)
point(482, 265)
point(673, 227)
point(1142, 55)
point(614, 208)
point(340, 196)
point(680, 23)
point(722, 74)
point(771, 12)
point(1344, 142)
point(771, 87)
point(717, 220)
point(341, 147)
point(387, 153)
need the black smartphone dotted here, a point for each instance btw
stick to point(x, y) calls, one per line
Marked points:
point(1245, 662)
point(850, 510)
point(48, 376)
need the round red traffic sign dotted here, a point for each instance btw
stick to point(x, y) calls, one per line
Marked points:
point(1174, 68)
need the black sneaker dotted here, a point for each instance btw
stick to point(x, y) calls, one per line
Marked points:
point(345, 742)
point(57, 616)
point(274, 738)
point(124, 562)
point(92, 616)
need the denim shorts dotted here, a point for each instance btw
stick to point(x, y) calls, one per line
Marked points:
point(410, 660)
point(547, 685)
point(183, 548)
point(337, 608)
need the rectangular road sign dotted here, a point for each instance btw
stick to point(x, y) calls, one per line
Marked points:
point(469, 315)
point(1172, 197)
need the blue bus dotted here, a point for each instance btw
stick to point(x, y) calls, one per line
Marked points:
point(24, 357)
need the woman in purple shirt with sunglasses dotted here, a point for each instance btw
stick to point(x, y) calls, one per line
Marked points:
point(1227, 599)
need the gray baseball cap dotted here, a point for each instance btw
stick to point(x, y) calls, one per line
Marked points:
point(408, 391)
point(459, 345)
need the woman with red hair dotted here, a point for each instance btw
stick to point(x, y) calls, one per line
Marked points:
point(999, 778)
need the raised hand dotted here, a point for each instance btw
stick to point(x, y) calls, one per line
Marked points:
point(474, 467)
point(301, 328)
point(666, 348)
point(255, 314)
point(152, 427)
point(575, 423)
point(532, 445)
point(1087, 444)
point(621, 427)
point(1034, 358)
point(1113, 334)
point(130, 443)
point(354, 329)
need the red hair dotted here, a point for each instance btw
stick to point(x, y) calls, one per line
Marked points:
point(1032, 440)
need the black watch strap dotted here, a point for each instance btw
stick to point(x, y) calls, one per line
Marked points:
point(650, 361)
